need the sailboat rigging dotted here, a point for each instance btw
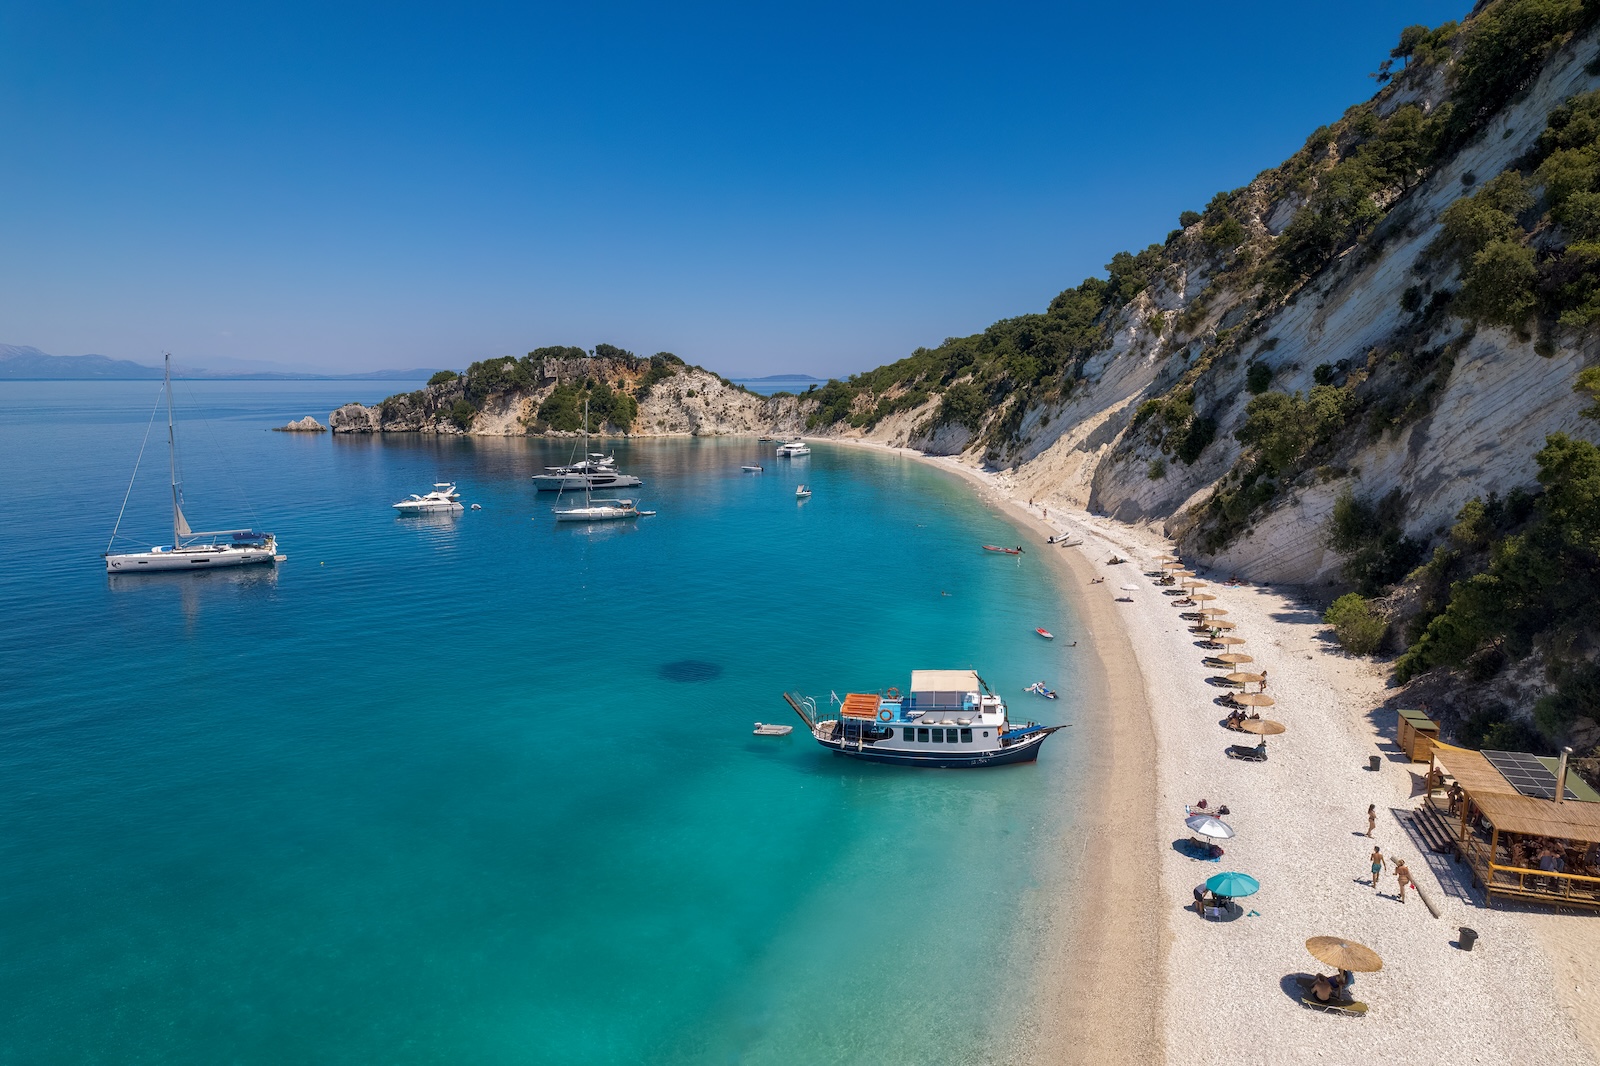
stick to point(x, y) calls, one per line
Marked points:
point(593, 510)
point(188, 550)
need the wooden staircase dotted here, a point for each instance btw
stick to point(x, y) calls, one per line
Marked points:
point(1434, 828)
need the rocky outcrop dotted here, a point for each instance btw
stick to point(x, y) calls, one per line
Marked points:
point(307, 424)
point(689, 401)
point(354, 418)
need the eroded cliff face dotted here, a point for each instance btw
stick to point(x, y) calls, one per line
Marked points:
point(1482, 421)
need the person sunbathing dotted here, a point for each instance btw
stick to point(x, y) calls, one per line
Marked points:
point(1322, 988)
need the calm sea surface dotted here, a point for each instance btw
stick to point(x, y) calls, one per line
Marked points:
point(437, 790)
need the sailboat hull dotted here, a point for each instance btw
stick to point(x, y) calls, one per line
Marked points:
point(194, 558)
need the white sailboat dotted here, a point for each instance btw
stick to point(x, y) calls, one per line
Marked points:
point(594, 510)
point(189, 550)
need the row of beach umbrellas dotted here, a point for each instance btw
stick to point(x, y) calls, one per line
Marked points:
point(1338, 952)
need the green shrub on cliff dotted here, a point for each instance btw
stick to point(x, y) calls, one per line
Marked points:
point(443, 377)
point(462, 414)
point(1545, 578)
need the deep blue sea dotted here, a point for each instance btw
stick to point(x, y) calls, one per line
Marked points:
point(438, 791)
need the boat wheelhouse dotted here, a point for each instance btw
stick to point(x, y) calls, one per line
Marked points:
point(949, 719)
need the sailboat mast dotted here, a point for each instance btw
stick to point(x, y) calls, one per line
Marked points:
point(588, 469)
point(172, 452)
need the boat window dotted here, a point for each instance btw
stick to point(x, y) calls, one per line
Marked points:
point(966, 736)
point(908, 733)
point(922, 736)
point(938, 736)
point(986, 733)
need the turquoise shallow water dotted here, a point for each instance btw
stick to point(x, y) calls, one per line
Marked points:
point(428, 792)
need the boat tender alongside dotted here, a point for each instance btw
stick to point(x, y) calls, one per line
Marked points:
point(950, 719)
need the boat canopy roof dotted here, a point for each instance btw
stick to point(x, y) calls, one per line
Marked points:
point(944, 681)
point(860, 705)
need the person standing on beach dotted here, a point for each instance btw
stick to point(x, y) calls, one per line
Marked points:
point(1402, 875)
point(1372, 818)
point(1377, 865)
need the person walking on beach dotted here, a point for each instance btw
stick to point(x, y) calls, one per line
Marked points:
point(1372, 818)
point(1402, 875)
point(1378, 862)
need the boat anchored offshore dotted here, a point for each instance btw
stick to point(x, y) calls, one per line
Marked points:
point(802, 493)
point(597, 471)
point(595, 510)
point(444, 499)
point(188, 551)
point(793, 449)
point(950, 719)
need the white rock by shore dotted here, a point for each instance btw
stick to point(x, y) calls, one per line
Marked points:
point(307, 424)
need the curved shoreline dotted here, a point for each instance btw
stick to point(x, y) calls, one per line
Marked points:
point(1099, 962)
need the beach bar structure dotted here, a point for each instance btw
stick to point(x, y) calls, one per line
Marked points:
point(1521, 842)
point(1417, 734)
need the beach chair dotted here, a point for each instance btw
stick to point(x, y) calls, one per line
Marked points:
point(1347, 1008)
point(1256, 754)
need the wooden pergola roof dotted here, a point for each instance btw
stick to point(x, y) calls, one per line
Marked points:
point(1572, 820)
point(1472, 771)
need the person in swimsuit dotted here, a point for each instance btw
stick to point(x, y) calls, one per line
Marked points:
point(1378, 862)
point(1372, 818)
point(1402, 875)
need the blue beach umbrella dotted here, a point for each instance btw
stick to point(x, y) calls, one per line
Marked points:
point(1233, 885)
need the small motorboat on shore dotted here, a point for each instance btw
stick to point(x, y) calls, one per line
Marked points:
point(1045, 633)
point(950, 719)
point(1005, 551)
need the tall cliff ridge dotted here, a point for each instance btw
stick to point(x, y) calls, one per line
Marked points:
point(544, 393)
point(1321, 332)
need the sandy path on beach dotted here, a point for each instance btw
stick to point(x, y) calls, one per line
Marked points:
point(1136, 976)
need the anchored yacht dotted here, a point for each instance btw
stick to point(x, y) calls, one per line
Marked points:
point(949, 719)
point(444, 499)
point(189, 550)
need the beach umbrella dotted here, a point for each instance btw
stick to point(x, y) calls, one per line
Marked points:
point(1234, 658)
point(1204, 596)
point(1213, 612)
point(1263, 727)
point(1172, 565)
point(1255, 699)
point(1193, 584)
point(1242, 678)
point(1234, 885)
point(1232, 641)
point(1183, 573)
point(1129, 588)
point(1207, 826)
point(1340, 953)
point(1220, 624)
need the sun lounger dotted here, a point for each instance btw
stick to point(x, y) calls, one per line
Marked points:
point(1349, 1008)
point(1237, 751)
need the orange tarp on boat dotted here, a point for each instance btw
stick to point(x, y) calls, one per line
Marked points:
point(860, 705)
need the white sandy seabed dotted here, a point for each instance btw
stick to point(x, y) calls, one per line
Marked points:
point(1528, 992)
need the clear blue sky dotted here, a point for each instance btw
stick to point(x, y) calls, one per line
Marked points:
point(757, 187)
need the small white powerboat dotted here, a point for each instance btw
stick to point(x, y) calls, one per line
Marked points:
point(444, 499)
point(802, 493)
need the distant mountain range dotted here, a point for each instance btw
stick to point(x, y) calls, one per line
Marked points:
point(20, 362)
point(778, 377)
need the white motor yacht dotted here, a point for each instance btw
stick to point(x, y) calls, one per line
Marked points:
point(444, 499)
point(792, 449)
point(189, 550)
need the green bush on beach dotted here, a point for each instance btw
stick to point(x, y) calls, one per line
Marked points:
point(1359, 630)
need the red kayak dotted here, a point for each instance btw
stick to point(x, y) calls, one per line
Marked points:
point(1046, 634)
point(997, 548)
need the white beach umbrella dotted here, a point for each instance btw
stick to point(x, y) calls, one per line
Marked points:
point(1207, 826)
point(1130, 588)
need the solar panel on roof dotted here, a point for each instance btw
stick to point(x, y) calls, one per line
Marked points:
point(1526, 774)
